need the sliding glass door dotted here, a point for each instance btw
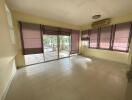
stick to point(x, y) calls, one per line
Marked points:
point(42, 43)
point(64, 46)
point(50, 47)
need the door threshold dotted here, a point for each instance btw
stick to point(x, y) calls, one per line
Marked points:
point(44, 62)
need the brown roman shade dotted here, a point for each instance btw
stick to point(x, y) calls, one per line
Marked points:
point(50, 30)
point(121, 36)
point(75, 41)
point(31, 38)
point(105, 36)
point(64, 31)
point(115, 37)
point(94, 38)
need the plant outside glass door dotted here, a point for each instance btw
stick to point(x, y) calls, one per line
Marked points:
point(56, 46)
point(50, 47)
point(64, 47)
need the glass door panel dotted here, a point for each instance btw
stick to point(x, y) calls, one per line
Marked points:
point(64, 46)
point(50, 47)
point(33, 58)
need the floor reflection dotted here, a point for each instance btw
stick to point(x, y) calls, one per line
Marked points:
point(74, 78)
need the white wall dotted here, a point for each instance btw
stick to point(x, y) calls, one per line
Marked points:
point(7, 53)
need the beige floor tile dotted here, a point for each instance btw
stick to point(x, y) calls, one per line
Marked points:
point(74, 78)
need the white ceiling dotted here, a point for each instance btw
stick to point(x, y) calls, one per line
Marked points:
point(76, 12)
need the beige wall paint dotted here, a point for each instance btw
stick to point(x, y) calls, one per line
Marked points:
point(115, 20)
point(18, 16)
point(7, 52)
point(105, 54)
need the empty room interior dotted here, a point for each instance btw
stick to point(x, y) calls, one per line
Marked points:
point(65, 50)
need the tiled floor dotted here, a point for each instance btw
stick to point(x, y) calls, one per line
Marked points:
point(74, 78)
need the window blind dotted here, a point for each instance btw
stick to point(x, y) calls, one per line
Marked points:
point(31, 38)
point(93, 38)
point(121, 36)
point(50, 30)
point(74, 41)
point(105, 36)
point(64, 31)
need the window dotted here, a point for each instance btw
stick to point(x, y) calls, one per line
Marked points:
point(31, 38)
point(105, 35)
point(121, 37)
point(93, 38)
point(115, 37)
point(85, 39)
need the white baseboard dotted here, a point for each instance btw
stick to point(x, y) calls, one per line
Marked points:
point(2, 97)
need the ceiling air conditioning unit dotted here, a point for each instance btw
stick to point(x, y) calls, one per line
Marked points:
point(101, 23)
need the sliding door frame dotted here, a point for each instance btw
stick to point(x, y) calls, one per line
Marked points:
point(42, 32)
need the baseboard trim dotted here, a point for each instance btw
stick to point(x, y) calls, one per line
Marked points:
point(7, 86)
